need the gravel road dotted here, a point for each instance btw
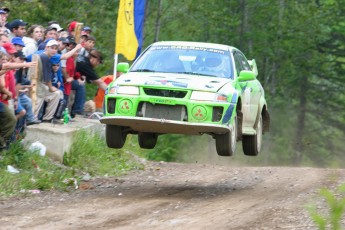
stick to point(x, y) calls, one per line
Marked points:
point(180, 196)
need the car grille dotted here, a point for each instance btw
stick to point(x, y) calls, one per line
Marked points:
point(168, 112)
point(165, 93)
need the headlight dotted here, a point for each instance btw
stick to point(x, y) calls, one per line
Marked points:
point(207, 96)
point(128, 90)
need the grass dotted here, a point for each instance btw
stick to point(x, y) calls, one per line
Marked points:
point(336, 208)
point(88, 154)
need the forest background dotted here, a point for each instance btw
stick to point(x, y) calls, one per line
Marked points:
point(298, 46)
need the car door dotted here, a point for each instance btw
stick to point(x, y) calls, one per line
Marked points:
point(251, 92)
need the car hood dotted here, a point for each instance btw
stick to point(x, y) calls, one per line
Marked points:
point(171, 80)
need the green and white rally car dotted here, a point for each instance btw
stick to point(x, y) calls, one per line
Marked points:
point(188, 88)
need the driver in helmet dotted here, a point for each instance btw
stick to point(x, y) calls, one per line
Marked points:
point(215, 66)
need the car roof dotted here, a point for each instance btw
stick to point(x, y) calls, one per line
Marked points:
point(198, 44)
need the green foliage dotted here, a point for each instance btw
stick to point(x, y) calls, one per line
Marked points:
point(169, 148)
point(88, 154)
point(36, 172)
point(336, 205)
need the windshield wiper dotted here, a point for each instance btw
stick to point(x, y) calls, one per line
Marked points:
point(143, 70)
point(201, 74)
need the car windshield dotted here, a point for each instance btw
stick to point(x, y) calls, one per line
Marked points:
point(185, 60)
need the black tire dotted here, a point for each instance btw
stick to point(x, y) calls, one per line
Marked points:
point(115, 136)
point(251, 144)
point(147, 140)
point(226, 143)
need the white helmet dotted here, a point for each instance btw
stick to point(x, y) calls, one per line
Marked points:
point(214, 63)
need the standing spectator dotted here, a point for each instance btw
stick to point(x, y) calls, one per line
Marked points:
point(4, 12)
point(68, 69)
point(17, 28)
point(49, 34)
point(34, 35)
point(86, 31)
point(18, 43)
point(3, 19)
point(58, 29)
point(63, 43)
point(7, 10)
point(88, 45)
point(71, 28)
point(86, 70)
point(99, 97)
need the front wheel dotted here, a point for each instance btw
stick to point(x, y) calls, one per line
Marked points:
point(147, 140)
point(115, 136)
point(226, 143)
point(252, 144)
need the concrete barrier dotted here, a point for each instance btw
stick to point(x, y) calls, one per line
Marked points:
point(58, 138)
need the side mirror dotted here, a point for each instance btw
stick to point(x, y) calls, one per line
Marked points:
point(246, 75)
point(122, 67)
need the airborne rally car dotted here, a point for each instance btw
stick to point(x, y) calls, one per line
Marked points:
point(188, 88)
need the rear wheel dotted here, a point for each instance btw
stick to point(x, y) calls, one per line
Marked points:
point(252, 144)
point(226, 143)
point(115, 136)
point(147, 140)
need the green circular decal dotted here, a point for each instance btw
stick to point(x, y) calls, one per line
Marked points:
point(125, 106)
point(199, 113)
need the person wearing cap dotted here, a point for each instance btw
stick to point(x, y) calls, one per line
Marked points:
point(6, 9)
point(57, 27)
point(4, 12)
point(88, 45)
point(71, 28)
point(68, 69)
point(3, 21)
point(86, 69)
point(86, 30)
point(17, 28)
point(50, 94)
point(10, 86)
point(10, 49)
point(18, 43)
point(33, 36)
point(49, 33)
point(63, 43)
point(57, 80)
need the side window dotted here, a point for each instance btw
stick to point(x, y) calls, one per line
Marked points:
point(238, 64)
point(244, 61)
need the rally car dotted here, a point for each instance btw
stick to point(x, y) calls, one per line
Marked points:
point(194, 88)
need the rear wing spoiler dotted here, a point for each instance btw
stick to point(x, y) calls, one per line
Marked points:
point(252, 64)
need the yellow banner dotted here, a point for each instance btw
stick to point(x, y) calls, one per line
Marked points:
point(126, 40)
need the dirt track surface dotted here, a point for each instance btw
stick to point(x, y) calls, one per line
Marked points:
point(180, 196)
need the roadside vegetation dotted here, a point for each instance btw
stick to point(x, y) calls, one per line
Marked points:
point(88, 156)
point(331, 217)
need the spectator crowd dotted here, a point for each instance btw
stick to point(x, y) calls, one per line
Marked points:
point(65, 60)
